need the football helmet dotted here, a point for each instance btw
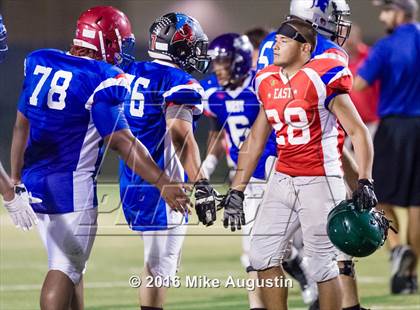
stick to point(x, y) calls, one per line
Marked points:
point(107, 31)
point(327, 16)
point(236, 50)
point(180, 39)
point(355, 232)
point(3, 40)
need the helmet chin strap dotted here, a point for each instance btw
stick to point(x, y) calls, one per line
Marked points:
point(318, 27)
point(117, 33)
point(101, 42)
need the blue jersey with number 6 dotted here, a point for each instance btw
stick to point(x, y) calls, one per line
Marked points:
point(155, 86)
point(71, 104)
point(236, 111)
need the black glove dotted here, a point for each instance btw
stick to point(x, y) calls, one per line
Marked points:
point(364, 196)
point(233, 215)
point(205, 202)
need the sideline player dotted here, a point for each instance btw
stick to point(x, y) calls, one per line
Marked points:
point(232, 107)
point(69, 107)
point(164, 105)
point(393, 62)
point(16, 199)
point(336, 29)
point(302, 101)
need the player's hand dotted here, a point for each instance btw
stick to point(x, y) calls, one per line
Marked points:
point(364, 196)
point(205, 202)
point(175, 197)
point(233, 215)
point(20, 210)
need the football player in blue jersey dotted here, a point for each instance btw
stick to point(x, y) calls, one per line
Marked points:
point(329, 19)
point(165, 103)
point(232, 107)
point(70, 106)
point(16, 198)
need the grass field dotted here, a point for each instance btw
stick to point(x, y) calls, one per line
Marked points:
point(117, 255)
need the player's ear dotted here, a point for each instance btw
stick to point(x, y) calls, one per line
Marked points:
point(306, 47)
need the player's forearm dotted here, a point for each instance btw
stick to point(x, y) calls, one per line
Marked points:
point(19, 141)
point(215, 150)
point(215, 144)
point(179, 121)
point(138, 158)
point(249, 156)
point(189, 155)
point(143, 164)
point(363, 151)
point(350, 168)
point(6, 185)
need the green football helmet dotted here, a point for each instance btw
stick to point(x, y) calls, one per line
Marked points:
point(355, 232)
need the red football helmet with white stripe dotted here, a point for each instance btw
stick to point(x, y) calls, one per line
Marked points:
point(105, 30)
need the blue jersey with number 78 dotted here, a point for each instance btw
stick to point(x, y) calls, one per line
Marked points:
point(71, 104)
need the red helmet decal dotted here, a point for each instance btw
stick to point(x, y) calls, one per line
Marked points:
point(153, 43)
point(185, 33)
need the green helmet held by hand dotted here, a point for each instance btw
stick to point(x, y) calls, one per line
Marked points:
point(354, 232)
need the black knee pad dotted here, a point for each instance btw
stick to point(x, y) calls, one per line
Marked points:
point(347, 269)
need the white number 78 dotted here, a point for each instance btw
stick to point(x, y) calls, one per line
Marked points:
point(60, 103)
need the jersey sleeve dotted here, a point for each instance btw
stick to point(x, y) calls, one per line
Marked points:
point(341, 80)
point(260, 82)
point(338, 80)
point(106, 103)
point(108, 118)
point(334, 54)
point(372, 68)
point(184, 89)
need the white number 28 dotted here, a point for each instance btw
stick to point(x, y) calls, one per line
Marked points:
point(292, 126)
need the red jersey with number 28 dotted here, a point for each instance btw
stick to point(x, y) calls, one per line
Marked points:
point(309, 140)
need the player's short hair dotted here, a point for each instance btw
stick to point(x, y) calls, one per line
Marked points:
point(84, 52)
point(256, 36)
point(300, 31)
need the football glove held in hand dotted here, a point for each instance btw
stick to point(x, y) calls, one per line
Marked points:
point(20, 210)
point(205, 202)
point(364, 196)
point(233, 215)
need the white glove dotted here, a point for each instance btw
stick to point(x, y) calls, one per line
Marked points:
point(209, 165)
point(20, 209)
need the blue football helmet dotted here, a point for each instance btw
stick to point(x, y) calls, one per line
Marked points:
point(236, 50)
point(328, 17)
